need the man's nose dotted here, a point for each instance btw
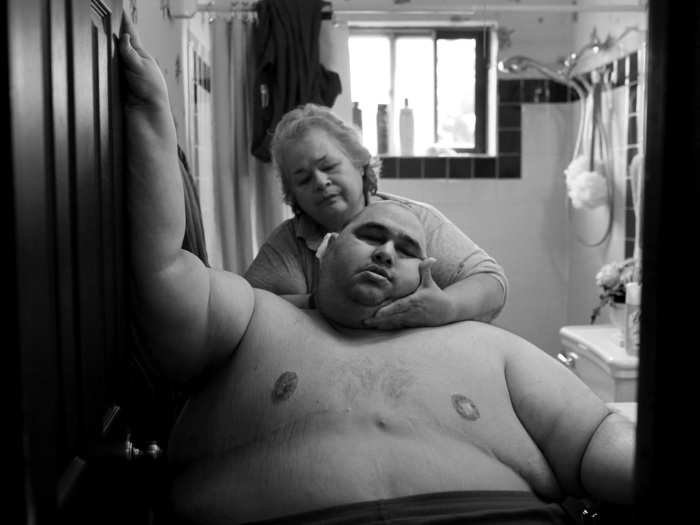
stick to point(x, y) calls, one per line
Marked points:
point(384, 254)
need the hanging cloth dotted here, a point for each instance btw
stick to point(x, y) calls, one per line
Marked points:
point(589, 178)
point(288, 70)
point(193, 241)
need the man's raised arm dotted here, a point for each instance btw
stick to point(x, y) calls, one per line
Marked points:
point(191, 316)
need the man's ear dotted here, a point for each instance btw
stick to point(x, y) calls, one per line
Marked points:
point(328, 240)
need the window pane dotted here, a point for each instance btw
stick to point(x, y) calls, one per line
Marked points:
point(456, 85)
point(414, 81)
point(370, 81)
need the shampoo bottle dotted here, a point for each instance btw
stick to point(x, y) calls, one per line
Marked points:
point(406, 133)
point(633, 299)
point(382, 129)
point(357, 115)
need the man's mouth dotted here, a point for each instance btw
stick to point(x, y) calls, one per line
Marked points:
point(373, 269)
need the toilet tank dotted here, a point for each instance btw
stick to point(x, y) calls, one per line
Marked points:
point(595, 354)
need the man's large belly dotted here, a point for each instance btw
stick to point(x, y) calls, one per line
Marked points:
point(303, 418)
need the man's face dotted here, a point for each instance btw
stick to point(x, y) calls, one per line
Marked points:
point(374, 260)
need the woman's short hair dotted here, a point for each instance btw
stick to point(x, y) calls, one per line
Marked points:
point(299, 121)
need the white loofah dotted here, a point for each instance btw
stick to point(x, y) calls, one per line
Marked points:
point(587, 189)
point(576, 166)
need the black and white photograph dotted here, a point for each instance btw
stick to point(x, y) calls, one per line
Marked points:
point(350, 261)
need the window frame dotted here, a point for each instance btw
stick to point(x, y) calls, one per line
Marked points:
point(482, 66)
point(481, 79)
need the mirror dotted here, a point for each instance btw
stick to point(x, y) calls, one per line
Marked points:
point(515, 202)
point(567, 69)
point(525, 202)
point(563, 66)
point(512, 200)
point(513, 196)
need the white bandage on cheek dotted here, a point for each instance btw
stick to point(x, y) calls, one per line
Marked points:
point(323, 246)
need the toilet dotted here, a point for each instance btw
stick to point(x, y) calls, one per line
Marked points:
point(595, 353)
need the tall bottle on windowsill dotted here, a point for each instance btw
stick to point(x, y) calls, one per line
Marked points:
point(357, 115)
point(382, 129)
point(406, 131)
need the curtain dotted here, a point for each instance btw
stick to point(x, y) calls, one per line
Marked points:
point(248, 194)
point(334, 55)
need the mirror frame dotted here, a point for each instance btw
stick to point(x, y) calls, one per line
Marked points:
point(672, 170)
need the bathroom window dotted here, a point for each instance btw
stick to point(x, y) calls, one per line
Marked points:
point(442, 75)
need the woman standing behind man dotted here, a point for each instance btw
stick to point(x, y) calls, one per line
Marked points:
point(328, 176)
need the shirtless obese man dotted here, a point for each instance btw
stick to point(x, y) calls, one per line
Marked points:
point(300, 413)
point(308, 414)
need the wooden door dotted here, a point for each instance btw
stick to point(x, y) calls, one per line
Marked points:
point(69, 338)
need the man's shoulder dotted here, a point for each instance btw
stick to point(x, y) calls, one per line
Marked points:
point(278, 318)
point(426, 213)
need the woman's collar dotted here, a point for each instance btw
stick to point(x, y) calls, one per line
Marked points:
point(311, 232)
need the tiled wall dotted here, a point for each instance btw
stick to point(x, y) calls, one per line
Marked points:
point(512, 93)
point(507, 164)
point(635, 134)
point(628, 72)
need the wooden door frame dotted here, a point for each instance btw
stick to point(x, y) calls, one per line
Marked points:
point(37, 94)
point(33, 292)
point(669, 347)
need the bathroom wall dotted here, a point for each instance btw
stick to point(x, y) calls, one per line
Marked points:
point(627, 104)
point(166, 39)
point(588, 226)
point(630, 61)
point(163, 39)
point(523, 222)
point(526, 223)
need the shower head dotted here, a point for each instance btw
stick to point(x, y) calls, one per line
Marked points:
point(514, 64)
point(519, 63)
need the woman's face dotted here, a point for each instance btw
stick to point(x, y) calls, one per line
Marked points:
point(325, 183)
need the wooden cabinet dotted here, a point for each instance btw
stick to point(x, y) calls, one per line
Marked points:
point(76, 391)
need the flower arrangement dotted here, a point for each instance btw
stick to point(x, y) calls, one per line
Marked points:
point(612, 279)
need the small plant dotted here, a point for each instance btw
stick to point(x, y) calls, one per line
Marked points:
point(612, 278)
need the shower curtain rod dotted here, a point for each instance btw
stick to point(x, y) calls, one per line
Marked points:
point(515, 64)
point(187, 9)
point(496, 8)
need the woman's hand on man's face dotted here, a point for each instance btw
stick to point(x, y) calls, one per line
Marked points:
point(145, 85)
point(428, 305)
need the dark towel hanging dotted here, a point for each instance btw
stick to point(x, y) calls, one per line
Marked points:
point(288, 71)
point(194, 241)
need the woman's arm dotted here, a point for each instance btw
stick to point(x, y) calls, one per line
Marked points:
point(283, 267)
point(479, 297)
